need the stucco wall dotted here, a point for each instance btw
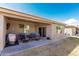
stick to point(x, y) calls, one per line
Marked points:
point(73, 31)
point(50, 29)
point(2, 32)
point(14, 27)
point(52, 32)
point(70, 31)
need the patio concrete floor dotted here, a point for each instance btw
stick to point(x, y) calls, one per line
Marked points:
point(29, 45)
point(69, 47)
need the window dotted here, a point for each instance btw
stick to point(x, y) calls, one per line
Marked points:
point(24, 28)
point(59, 29)
point(21, 26)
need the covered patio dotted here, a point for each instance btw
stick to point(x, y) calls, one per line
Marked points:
point(13, 23)
point(19, 28)
point(13, 50)
point(24, 30)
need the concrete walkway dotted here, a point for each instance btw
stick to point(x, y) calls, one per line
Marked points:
point(75, 52)
point(29, 45)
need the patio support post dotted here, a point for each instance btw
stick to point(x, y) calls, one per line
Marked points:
point(2, 32)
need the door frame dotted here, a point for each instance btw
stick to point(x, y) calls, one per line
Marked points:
point(42, 31)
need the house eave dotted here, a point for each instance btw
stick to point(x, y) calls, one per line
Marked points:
point(9, 12)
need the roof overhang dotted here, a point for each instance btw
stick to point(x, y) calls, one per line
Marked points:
point(15, 14)
point(71, 26)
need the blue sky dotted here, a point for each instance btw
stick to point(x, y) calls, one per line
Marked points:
point(54, 11)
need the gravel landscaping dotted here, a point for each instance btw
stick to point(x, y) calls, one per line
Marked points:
point(67, 47)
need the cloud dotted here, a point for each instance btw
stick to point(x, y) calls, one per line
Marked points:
point(71, 21)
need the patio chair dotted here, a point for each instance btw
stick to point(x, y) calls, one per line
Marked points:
point(23, 37)
point(11, 39)
point(34, 36)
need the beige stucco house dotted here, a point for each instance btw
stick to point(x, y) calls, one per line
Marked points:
point(16, 22)
point(71, 30)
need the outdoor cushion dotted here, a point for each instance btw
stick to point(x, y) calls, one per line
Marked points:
point(11, 39)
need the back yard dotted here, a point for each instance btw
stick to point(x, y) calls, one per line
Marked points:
point(68, 47)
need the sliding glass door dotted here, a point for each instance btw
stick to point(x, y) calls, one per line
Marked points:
point(42, 31)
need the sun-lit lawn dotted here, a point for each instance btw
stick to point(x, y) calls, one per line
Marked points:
point(67, 47)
